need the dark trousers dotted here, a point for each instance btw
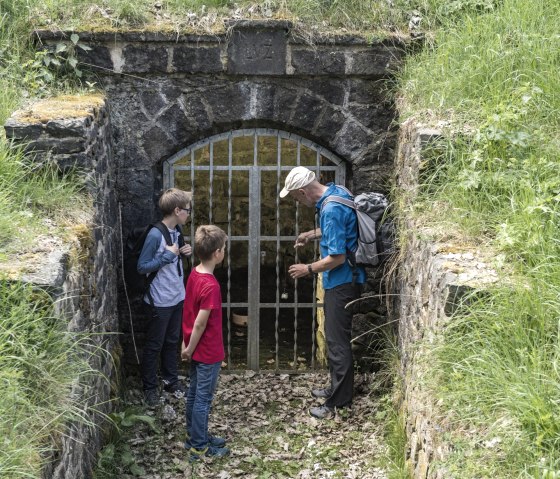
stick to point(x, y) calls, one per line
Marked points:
point(162, 340)
point(338, 332)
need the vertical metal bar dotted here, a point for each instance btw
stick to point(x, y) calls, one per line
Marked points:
point(279, 164)
point(193, 209)
point(254, 269)
point(210, 191)
point(230, 154)
point(314, 310)
point(296, 298)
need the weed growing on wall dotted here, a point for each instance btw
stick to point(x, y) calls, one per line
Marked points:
point(30, 196)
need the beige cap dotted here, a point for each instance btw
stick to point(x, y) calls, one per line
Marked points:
point(298, 178)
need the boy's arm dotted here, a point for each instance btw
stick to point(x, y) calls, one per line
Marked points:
point(199, 326)
point(148, 260)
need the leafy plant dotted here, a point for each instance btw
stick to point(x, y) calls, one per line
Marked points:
point(117, 456)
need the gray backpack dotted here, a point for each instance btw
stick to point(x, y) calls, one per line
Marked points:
point(375, 230)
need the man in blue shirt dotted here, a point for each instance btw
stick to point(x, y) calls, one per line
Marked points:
point(341, 281)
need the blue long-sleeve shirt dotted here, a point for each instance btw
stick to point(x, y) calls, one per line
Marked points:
point(167, 288)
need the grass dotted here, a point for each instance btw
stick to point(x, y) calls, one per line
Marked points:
point(39, 363)
point(492, 77)
point(31, 197)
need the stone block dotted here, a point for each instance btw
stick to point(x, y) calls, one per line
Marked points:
point(196, 59)
point(332, 90)
point(352, 140)
point(58, 145)
point(145, 58)
point(19, 131)
point(285, 100)
point(70, 127)
point(330, 123)
point(374, 62)
point(257, 52)
point(65, 162)
point(196, 110)
point(176, 123)
point(152, 100)
point(228, 102)
point(157, 144)
point(323, 61)
point(97, 60)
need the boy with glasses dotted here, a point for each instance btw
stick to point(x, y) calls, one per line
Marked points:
point(202, 341)
point(165, 295)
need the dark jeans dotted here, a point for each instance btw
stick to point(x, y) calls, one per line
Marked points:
point(162, 340)
point(338, 332)
point(203, 381)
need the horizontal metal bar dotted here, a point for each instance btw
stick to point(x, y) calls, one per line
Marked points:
point(272, 305)
point(242, 168)
point(263, 238)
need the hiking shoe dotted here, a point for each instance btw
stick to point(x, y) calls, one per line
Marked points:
point(176, 389)
point(323, 393)
point(151, 397)
point(322, 412)
point(210, 451)
point(215, 441)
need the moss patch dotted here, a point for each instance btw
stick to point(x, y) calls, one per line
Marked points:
point(61, 107)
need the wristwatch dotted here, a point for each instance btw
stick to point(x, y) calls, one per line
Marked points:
point(309, 269)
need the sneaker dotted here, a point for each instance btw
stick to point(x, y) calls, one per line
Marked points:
point(323, 393)
point(176, 389)
point(215, 441)
point(322, 412)
point(151, 397)
point(210, 451)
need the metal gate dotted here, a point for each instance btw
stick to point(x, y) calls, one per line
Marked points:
point(236, 179)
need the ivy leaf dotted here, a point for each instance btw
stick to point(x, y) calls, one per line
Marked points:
point(74, 38)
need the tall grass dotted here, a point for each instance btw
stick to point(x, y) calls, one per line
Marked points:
point(39, 362)
point(494, 77)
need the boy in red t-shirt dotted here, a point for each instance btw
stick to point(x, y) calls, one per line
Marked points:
point(202, 341)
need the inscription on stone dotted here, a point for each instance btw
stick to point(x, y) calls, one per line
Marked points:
point(257, 52)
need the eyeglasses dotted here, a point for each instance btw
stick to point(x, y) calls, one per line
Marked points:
point(188, 210)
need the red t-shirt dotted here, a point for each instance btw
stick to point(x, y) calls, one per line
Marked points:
point(203, 292)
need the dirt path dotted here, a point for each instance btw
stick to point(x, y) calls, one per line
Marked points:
point(271, 435)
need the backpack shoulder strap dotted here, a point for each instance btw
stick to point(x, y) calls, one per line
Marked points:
point(180, 239)
point(338, 199)
point(164, 231)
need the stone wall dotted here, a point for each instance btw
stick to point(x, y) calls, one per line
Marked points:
point(433, 280)
point(75, 132)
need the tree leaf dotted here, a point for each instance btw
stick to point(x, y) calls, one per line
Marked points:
point(74, 38)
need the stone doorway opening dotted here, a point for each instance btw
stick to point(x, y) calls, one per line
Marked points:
point(235, 178)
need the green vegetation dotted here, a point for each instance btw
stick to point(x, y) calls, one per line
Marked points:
point(38, 365)
point(493, 78)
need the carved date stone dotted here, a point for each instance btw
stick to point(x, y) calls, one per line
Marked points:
point(254, 49)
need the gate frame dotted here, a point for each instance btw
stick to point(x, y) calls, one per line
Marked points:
point(254, 238)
